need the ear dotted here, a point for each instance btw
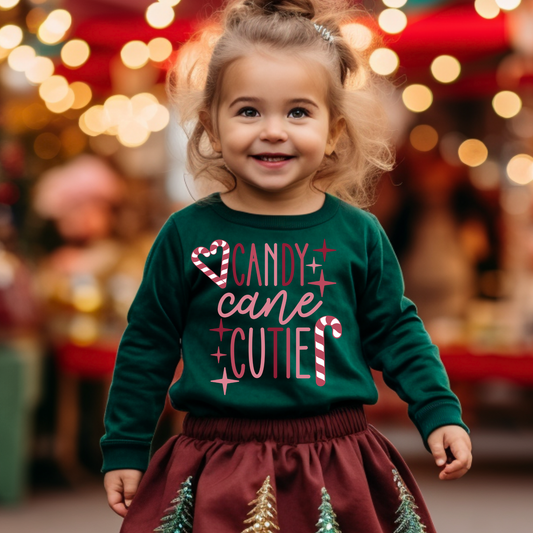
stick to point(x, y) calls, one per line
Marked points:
point(336, 130)
point(205, 120)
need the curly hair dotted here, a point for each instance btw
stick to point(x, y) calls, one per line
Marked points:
point(364, 149)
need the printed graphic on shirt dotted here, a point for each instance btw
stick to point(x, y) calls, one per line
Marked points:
point(249, 305)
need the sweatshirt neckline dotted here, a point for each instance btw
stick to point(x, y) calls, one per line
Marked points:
point(327, 211)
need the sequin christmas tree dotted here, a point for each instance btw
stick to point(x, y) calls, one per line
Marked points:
point(408, 520)
point(180, 515)
point(327, 522)
point(264, 515)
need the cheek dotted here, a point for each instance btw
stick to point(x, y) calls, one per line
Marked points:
point(237, 137)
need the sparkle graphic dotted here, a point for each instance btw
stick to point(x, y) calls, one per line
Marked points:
point(221, 329)
point(224, 381)
point(322, 283)
point(218, 355)
point(324, 250)
point(313, 265)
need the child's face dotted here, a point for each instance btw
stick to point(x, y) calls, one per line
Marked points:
point(273, 105)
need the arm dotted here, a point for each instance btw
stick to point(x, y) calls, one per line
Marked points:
point(396, 343)
point(148, 354)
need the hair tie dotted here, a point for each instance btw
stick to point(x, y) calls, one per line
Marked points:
point(326, 35)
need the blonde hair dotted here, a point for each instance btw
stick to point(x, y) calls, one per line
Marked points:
point(364, 149)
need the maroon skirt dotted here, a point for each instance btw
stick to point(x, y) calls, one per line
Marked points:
point(330, 473)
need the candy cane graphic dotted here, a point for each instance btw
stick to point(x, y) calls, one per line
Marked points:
point(320, 362)
point(219, 280)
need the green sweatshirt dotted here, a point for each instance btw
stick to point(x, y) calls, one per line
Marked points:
point(275, 316)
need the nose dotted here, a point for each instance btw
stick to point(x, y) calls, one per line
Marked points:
point(273, 130)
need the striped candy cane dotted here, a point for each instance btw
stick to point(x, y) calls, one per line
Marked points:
point(219, 280)
point(320, 362)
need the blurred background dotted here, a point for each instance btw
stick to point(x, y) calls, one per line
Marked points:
point(92, 164)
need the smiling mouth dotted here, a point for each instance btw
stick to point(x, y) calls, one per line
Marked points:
point(273, 158)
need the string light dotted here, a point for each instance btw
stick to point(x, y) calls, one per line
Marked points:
point(10, 36)
point(135, 54)
point(507, 104)
point(159, 15)
point(21, 58)
point(488, 9)
point(40, 69)
point(508, 5)
point(357, 35)
point(395, 3)
point(75, 53)
point(520, 169)
point(54, 89)
point(159, 49)
point(82, 94)
point(424, 138)
point(8, 4)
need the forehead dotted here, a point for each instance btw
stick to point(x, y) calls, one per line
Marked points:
point(275, 77)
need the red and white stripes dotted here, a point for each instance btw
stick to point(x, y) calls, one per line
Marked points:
point(219, 280)
point(320, 360)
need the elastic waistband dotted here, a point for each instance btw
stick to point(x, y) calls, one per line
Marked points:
point(338, 422)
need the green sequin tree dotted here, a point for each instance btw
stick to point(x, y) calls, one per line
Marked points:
point(180, 516)
point(327, 522)
point(264, 514)
point(408, 520)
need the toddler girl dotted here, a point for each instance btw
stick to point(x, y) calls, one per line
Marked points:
point(280, 292)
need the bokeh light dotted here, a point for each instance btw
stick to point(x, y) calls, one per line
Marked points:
point(62, 105)
point(358, 36)
point(159, 15)
point(507, 104)
point(395, 3)
point(520, 169)
point(53, 89)
point(417, 98)
point(82, 94)
point(75, 53)
point(40, 69)
point(10, 36)
point(488, 9)
point(21, 58)
point(8, 4)
point(36, 116)
point(508, 5)
point(135, 54)
point(392, 20)
point(424, 137)
point(445, 69)
point(133, 132)
point(159, 49)
point(384, 61)
point(485, 176)
point(473, 152)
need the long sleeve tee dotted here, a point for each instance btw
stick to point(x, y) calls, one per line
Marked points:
point(275, 316)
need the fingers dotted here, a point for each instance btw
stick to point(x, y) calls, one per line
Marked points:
point(461, 463)
point(437, 449)
point(121, 486)
point(115, 501)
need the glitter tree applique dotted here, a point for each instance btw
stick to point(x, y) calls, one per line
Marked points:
point(408, 520)
point(264, 515)
point(180, 515)
point(327, 522)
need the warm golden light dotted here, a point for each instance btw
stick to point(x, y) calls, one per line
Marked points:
point(8, 4)
point(159, 49)
point(35, 18)
point(53, 89)
point(84, 127)
point(95, 119)
point(40, 69)
point(488, 9)
point(392, 20)
point(144, 106)
point(82, 94)
point(75, 53)
point(384, 61)
point(58, 21)
point(424, 138)
point(520, 169)
point(508, 5)
point(159, 15)
point(132, 133)
point(445, 68)
point(395, 3)
point(36, 116)
point(84, 330)
point(10, 36)
point(117, 108)
point(485, 176)
point(87, 297)
point(135, 54)
point(63, 105)
point(170, 2)
point(417, 98)
point(21, 57)
point(47, 145)
point(3, 53)
point(507, 104)
point(358, 36)
point(473, 152)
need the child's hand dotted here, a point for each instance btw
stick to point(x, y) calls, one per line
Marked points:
point(460, 451)
point(121, 486)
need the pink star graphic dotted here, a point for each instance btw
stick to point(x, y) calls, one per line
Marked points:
point(313, 265)
point(224, 381)
point(322, 283)
point(324, 250)
point(221, 329)
point(218, 354)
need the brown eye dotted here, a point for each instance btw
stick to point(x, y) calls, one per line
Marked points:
point(299, 112)
point(249, 112)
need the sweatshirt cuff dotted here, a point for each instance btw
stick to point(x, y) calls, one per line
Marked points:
point(436, 415)
point(125, 454)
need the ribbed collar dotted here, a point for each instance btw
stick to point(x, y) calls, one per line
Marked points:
point(327, 211)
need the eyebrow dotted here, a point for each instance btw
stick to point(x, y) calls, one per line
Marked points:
point(253, 99)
